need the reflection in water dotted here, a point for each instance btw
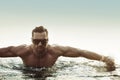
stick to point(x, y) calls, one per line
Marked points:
point(41, 73)
point(12, 69)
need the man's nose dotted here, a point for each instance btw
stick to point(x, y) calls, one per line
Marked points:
point(40, 44)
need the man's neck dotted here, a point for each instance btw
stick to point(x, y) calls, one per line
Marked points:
point(40, 54)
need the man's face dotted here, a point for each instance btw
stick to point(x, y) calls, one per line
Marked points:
point(40, 41)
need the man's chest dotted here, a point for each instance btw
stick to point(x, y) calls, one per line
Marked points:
point(36, 61)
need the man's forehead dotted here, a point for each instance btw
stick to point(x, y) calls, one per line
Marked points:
point(37, 35)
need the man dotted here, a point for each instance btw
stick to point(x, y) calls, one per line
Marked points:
point(41, 54)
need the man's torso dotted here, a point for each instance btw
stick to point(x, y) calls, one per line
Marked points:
point(32, 60)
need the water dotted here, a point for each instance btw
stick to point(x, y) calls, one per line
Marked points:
point(64, 69)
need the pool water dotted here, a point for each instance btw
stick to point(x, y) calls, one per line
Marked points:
point(13, 69)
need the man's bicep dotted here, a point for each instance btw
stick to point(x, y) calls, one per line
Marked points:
point(69, 51)
point(6, 52)
point(11, 51)
point(72, 52)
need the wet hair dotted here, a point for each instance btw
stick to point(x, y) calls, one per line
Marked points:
point(39, 29)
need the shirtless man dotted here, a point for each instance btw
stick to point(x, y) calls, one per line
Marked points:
point(41, 54)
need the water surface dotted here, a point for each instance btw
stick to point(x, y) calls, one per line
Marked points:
point(13, 69)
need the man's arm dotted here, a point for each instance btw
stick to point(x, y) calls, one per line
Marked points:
point(74, 52)
point(11, 51)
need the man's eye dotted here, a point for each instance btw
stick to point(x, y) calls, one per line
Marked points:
point(44, 42)
point(37, 41)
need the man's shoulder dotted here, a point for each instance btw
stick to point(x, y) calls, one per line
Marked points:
point(55, 46)
point(23, 49)
point(57, 49)
point(24, 46)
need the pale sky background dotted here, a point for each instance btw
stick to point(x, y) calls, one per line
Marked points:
point(86, 24)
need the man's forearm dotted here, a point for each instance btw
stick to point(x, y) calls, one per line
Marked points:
point(92, 55)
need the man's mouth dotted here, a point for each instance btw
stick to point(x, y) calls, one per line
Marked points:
point(40, 49)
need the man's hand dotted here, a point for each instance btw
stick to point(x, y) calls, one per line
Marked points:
point(110, 63)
